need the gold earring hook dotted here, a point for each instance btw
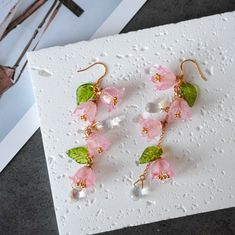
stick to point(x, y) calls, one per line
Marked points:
point(196, 65)
point(97, 63)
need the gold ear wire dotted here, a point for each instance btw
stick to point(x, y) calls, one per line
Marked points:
point(104, 74)
point(195, 64)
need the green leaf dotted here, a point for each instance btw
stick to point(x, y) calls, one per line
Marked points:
point(189, 93)
point(80, 155)
point(150, 154)
point(85, 92)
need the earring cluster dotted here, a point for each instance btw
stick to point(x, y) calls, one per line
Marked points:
point(180, 108)
point(89, 97)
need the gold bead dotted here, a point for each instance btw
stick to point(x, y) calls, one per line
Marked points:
point(83, 117)
point(100, 150)
point(178, 114)
point(145, 130)
point(115, 100)
point(157, 77)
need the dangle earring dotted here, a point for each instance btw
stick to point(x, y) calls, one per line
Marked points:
point(185, 95)
point(89, 96)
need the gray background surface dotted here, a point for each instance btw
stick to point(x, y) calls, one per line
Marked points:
point(26, 205)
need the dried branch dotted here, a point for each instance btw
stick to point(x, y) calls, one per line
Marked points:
point(6, 75)
point(6, 21)
point(72, 6)
point(44, 24)
point(27, 13)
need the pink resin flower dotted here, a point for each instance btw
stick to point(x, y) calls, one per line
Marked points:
point(97, 144)
point(160, 169)
point(86, 111)
point(179, 109)
point(150, 128)
point(162, 77)
point(111, 96)
point(84, 178)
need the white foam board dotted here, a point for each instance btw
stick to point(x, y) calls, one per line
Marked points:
point(201, 150)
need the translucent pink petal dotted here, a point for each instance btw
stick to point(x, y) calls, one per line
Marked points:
point(111, 96)
point(161, 170)
point(179, 109)
point(186, 110)
point(86, 111)
point(150, 128)
point(166, 77)
point(97, 144)
point(84, 175)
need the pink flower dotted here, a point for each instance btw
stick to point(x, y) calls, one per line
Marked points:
point(179, 109)
point(160, 169)
point(86, 111)
point(150, 128)
point(97, 144)
point(111, 96)
point(84, 178)
point(162, 77)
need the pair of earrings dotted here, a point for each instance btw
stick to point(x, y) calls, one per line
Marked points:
point(91, 95)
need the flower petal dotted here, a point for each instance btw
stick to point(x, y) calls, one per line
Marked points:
point(86, 175)
point(111, 96)
point(150, 127)
point(161, 170)
point(162, 77)
point(179, 109)
point(97, 144)
point(90, 111)
point(86, 111)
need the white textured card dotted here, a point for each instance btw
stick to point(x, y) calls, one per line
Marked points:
point(201, 151)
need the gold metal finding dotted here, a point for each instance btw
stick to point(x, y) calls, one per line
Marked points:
point(88, 131)
point(91, 161)
point(157, 77)
point(100, 150)
point(115, 101)
point(140, 180)
point(142, 177)
point(98, 82)
point(83, 117)
point(178, 114)
point(145, 130)
point(81, 184)
point(195, 64)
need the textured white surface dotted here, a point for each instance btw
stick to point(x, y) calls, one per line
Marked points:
point(201, 150)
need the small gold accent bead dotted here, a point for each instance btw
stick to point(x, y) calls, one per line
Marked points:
point(88, 131)
point(162, 176)
point(100, 150)
point(83, 117)
point(178, 114)
point(115, 100)
point(166, 109)
point(157, 77)
point(81, 183)
point(145, 130)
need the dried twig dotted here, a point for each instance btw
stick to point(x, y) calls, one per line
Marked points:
point(72, 6)
point(27, 13)
point(8, 74)
point(35, 34)
point(7, 20)
point(52, 16)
